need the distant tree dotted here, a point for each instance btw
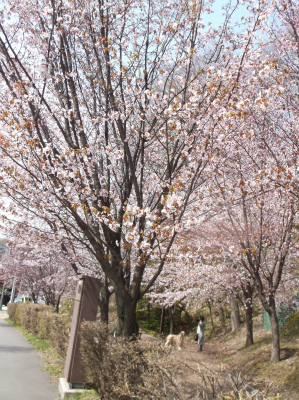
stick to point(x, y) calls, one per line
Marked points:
point(41, 273)
point(260, 232)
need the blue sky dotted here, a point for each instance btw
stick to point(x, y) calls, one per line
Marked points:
point(217, 18)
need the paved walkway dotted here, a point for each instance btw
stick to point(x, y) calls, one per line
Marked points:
point(21, 371)
point(3, 314)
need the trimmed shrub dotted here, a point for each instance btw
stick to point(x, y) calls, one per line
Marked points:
point(123, 370)
point(67, 306)
point(60, 328)
point(44, 322)
point(44, 325)
point(11, 310)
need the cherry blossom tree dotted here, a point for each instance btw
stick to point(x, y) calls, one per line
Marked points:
point(111, 124)
point(41, 272)
point(258, 225)
point(271, 103)
point(266, 169)
point(252, 245)
point(252, 219)
point(203, 273)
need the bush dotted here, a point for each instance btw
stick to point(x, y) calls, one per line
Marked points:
point(60, 328)
point(67, 306)
point(11, 310)
point(291, 327)
point(123, 370)
point(44, 322)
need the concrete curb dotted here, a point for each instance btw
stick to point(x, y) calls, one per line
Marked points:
point(65, 391)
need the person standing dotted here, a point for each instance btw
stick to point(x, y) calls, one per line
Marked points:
point(200, 332)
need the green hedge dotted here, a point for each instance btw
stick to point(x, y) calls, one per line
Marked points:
point(43, 322)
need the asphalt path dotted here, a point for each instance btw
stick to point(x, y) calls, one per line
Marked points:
point(21, 370)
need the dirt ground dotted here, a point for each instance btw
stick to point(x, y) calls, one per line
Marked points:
point(195, 370)
point(226, 365)
point(202, 370)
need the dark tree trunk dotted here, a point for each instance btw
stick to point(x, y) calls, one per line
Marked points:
point(249, 325)
point(162, 320)
point(221, 314)
point(235, 314)
point(247, 289)
point(104, 301)
point(275, 353)
point(211, 308)
point(57, 305)
point(127, 321)
point(171, 311)
point(34, 297)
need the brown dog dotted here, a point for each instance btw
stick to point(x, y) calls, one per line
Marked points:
point(175, 340)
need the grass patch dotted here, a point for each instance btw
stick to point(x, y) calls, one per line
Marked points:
point(90, 395)
point(258, 345)
point(254, 362)
point(54, 364)
point(231, 335)
point(291, 378)
point(284, 375)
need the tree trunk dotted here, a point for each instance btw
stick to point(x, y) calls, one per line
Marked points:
point(162, 320)
point(211, 308)
point(235, 315)
point(57, 305)
point(221, 314)
point(249, 325)
point(126, 311)
point(247, 289)
point(34, 297)
point(275, 353)
point(171, 311)
point(104, 301)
